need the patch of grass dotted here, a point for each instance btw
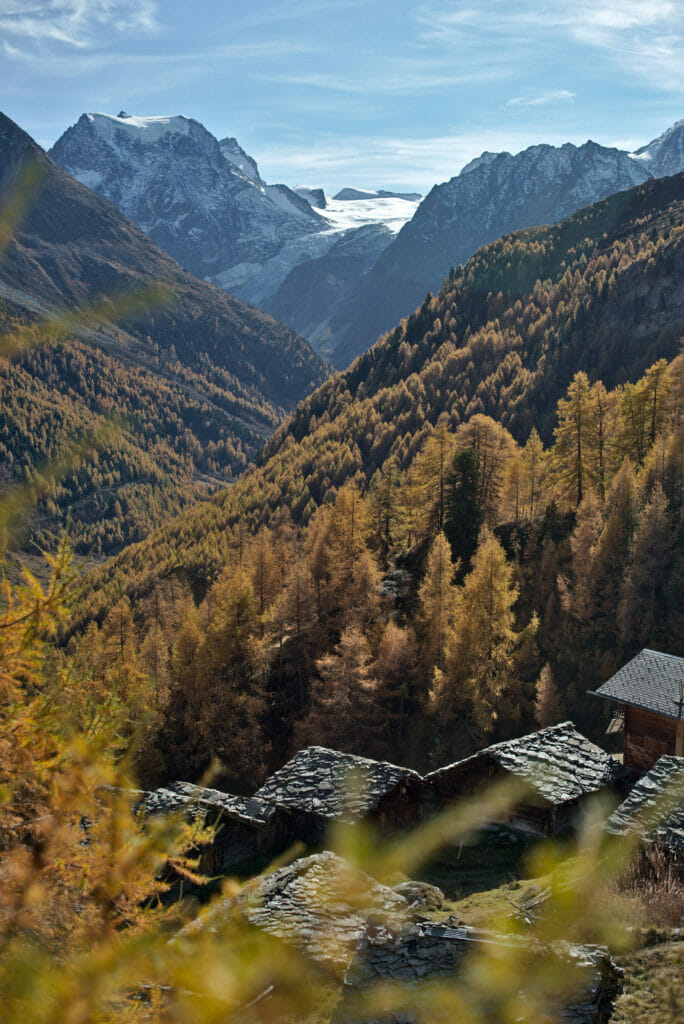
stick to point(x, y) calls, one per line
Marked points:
point(653, 990)
point(487, 864)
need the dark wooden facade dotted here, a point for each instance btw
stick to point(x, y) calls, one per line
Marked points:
point(648, 736)
point(475, 775)
point(238, 841)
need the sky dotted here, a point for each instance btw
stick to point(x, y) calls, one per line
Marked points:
point(372, 93)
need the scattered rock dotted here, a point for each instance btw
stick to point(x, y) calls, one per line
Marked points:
point(421, 895)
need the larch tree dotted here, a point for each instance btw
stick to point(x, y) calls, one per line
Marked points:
point(343, 708)
point(645, 409)
point(601, 436)
point(396, 669)
point(264, 570)
point(384, 501)
point(427, 482)
point(533, 474)
point(611, 552)
point(232, 666)
point(582, 544)
point(436, 598)
point(643, 608)
point(569, 454)
point(548, 707)
point(483, 648)
point(664, 464)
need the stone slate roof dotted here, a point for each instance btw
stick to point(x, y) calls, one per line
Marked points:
point(558, 762)
point(428, 951)
point(317, 780)
point(192, 800)
point(651, 681)
point(318, 904)
point(655, 806)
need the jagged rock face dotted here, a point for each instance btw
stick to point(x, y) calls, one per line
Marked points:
point(664, 156)
point(207, 209)
point(493, 195)
point(205, 203)
point(314, 196)
point(73, 247)
point(245, 164)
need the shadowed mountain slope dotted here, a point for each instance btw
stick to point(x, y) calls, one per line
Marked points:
point(201, 379)
point(601, 292)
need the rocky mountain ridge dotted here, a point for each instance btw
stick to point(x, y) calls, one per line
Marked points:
point(493, 195)
point(340, 270)
point(201, 201)
point(206, 204)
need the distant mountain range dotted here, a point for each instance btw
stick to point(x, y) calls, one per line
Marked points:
point(493, 195)
point(205, 203)
point(212, 376)
point(342, 270)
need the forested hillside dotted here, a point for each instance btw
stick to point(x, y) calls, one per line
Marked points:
point(471, 525)
point(199, 380)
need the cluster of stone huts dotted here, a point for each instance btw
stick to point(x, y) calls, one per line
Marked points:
point(561, 770)
point(371, 935)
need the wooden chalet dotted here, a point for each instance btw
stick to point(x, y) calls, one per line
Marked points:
point(647, 695)
point(561, 767)
point(319, 786)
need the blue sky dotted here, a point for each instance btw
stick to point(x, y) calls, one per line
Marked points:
point(376, 93)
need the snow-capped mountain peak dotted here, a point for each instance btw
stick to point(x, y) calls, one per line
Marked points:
point(664, 155)
point(173, 178)
point(153, 128)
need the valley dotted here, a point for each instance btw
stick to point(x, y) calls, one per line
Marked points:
point(341, 528)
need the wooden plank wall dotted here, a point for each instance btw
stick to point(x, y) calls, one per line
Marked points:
point(648, 737)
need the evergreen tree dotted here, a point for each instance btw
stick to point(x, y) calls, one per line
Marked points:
point(463, 509)
point(493, 447)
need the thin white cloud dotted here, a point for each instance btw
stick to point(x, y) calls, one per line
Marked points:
point(74, 64)
point(541, 99)
point(76, 23)
point(643, 38)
